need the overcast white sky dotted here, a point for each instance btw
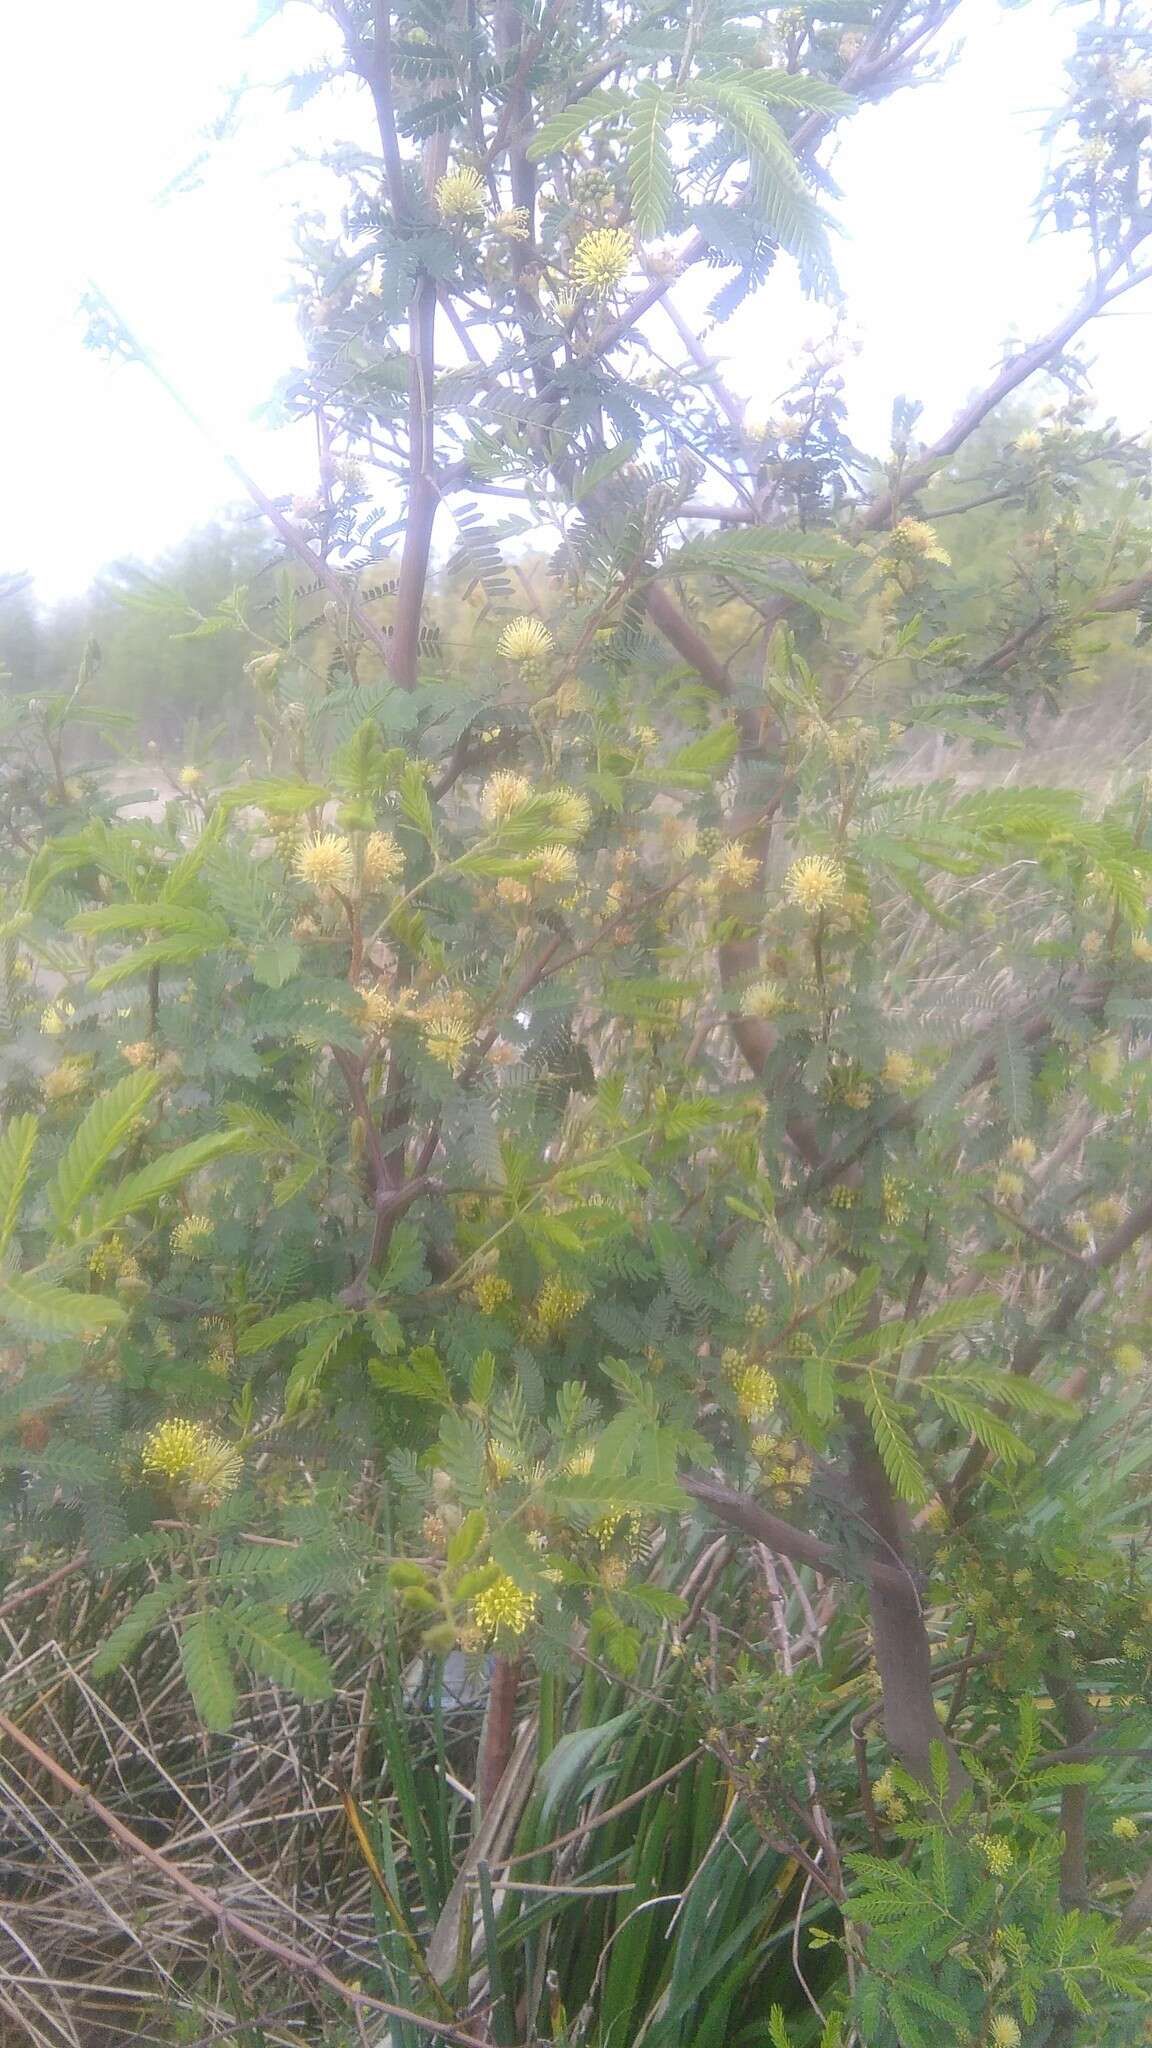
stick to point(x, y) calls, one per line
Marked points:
point(102, 106)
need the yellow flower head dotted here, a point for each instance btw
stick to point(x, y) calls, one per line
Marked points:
point(460, 195)
point(190, 1235)
point(764, 999)
point(65, 1080)
point(900, 1071)
point(514, 224)
point(1128, 1359)
point(916, 537)
point(1004, 2031)
point(55, 1019)
point(570, 812)
point(733, 867)
point(192, 1457)
point(525, 639)
point(555, 865)
point(108, 1258)
point(997, 1855)
point(1028, 442)
point(324, 861)
point(504, 794)
point(1021, 1152)
point(383, 859)
point(556, 1304)
point(380, 1010)
point(816, 883)
point(447, 1035)
point(601, 260)
point(491, 1292)
point(755, 1390)
point(141, 1053)
point(502, 1609)
point(190, 778)
point(1008, 1187)
point(894, 1199)
point(1125, 1828)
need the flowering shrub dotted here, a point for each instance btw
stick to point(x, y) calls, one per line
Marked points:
point(596, 1083)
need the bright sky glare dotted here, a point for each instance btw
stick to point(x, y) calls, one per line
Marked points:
point(102, 108)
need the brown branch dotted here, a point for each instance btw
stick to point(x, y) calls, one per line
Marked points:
point(230, 1922)
point(740, 1512)
point(1078, 1725)
point(899, 1634)
point(883, 508)
point(496, 1742)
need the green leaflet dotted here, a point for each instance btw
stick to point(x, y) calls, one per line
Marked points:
point(276, 1650)
point(171, 920)
point(758, 546)
point(310, 1366)
point(285, 1323)
point(107, 1125)
point(988, 1429)
point(568, 126)
point(164, 1174)
point(128, 1635)
point(207, 1669)
point(16, 1148)
point(289, 798)
point(41, 1310)
point(650, 177)
point(897, 1453)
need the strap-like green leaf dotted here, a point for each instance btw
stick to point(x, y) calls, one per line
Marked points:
point(106, 1126)
point(16, 1149)
point(208, 1670)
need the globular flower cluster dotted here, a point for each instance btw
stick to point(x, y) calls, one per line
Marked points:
point(193, 1457)
point(601, 260)
point(190, 1235)
point(816, 883)
point(324, 861)
point(733, 867)
point(447, 1033)
point(460, 195)
point(525, 639)
point(997, 1854)
point(764, 999)
point(555, 865)
point(502, 1610)
point(556, 1304)
point(753, 1385)
point(383, 859)
point(503, 795)
point(912, 537)
point(68, 1079)
point(491, 1292)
